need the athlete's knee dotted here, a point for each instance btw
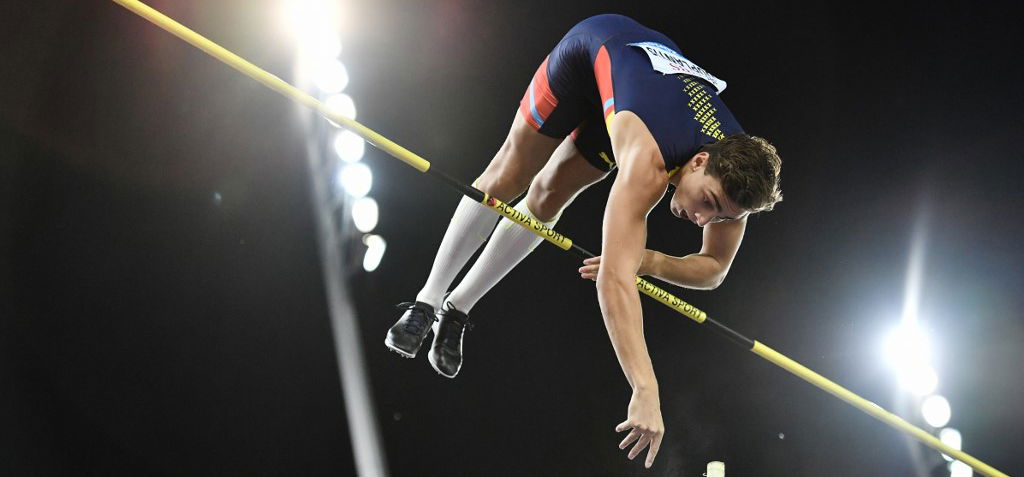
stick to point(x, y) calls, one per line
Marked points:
point(503, 180)
point(509, 173)
point(546, 198)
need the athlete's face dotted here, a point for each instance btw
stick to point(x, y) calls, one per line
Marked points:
point(699, 197)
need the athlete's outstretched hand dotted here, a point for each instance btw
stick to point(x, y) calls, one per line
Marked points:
point(590, 266)
point(589, 269)
point(644, 425)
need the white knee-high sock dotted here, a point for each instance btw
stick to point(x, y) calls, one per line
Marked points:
point(469, 227)
point(509, 245)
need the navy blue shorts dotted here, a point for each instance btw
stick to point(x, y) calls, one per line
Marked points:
point(598, 69)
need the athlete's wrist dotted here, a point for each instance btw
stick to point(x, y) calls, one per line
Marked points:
point(646, 386)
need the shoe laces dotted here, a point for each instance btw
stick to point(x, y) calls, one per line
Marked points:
point(418, 319)
point(451, 332)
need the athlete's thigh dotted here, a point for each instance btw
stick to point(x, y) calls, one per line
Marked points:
point(560, 96)
point(569, 170)
point(564, 176)
point(517, 162)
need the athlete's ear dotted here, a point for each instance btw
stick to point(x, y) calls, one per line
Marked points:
point(699, 160)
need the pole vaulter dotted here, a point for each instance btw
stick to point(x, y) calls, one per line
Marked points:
point(559, 240)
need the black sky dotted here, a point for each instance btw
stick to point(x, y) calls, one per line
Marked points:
point(148, 329)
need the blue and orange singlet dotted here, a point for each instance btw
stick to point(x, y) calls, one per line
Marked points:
point(606, 64)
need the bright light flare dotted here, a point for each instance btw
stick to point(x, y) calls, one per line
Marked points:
point(906, 349)
point(356, 179)
point(315, 26)
point(375, 246)
point(319, 45)
point(341, 105)
point(349, 146)
point(952, 438)
point(365, 214)
point(960, 469)
point(935, 410)
point(908, 352)
point(330, 76)
point(919, 380)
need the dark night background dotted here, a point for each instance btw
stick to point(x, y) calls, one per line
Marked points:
point(148, 329)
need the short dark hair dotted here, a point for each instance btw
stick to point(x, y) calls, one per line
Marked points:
point(749, 168)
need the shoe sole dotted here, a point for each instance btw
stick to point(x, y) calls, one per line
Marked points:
point(430, 358)
point(398, 351)
point(401, 352)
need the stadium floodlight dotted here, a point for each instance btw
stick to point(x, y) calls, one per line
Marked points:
point(341, 104)
point(375, 246)
point(356, 179)
point(935, 410)
point(349, 146)
point(330, 76)
point(921, 380)
point(314, 23)
point(365, 214)
point(952, 438)
point(319, 44)
point(907, 349)
point(960, 469)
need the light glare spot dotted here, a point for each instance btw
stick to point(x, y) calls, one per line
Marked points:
point(314, 24)
point(356, 179)
point(341, 105)
point(935, 410)
point(919, 380)
point(952, 438)
point(349, 146)
point(907, 348)
point(330, 76)
point(365, 214)
point(375, 246)
point(960, 469)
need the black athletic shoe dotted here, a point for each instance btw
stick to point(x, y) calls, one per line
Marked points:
point(411, 330)
point(446, 352)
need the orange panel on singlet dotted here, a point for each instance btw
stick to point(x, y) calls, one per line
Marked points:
point(603, 74)
point(538, 102)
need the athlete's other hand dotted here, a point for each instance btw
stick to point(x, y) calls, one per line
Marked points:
point(644, 425)
point(590, 266)
point(589, 269)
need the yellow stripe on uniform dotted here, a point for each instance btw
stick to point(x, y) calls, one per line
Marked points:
point(607, 119)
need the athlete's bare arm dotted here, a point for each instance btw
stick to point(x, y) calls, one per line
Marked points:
point(704, 270)
point(640, 183)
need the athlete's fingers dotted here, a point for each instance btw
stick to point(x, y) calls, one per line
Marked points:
point(592, 260)
point(653, 452)
point(589, 272)
point(629, 439)
point(640, 445)
point(623, 426)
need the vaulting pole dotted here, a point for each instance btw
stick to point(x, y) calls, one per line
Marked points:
point(559, 240)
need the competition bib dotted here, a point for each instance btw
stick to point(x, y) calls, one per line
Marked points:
point(667, 61)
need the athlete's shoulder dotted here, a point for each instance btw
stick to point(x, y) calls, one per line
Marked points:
point(633, 142)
